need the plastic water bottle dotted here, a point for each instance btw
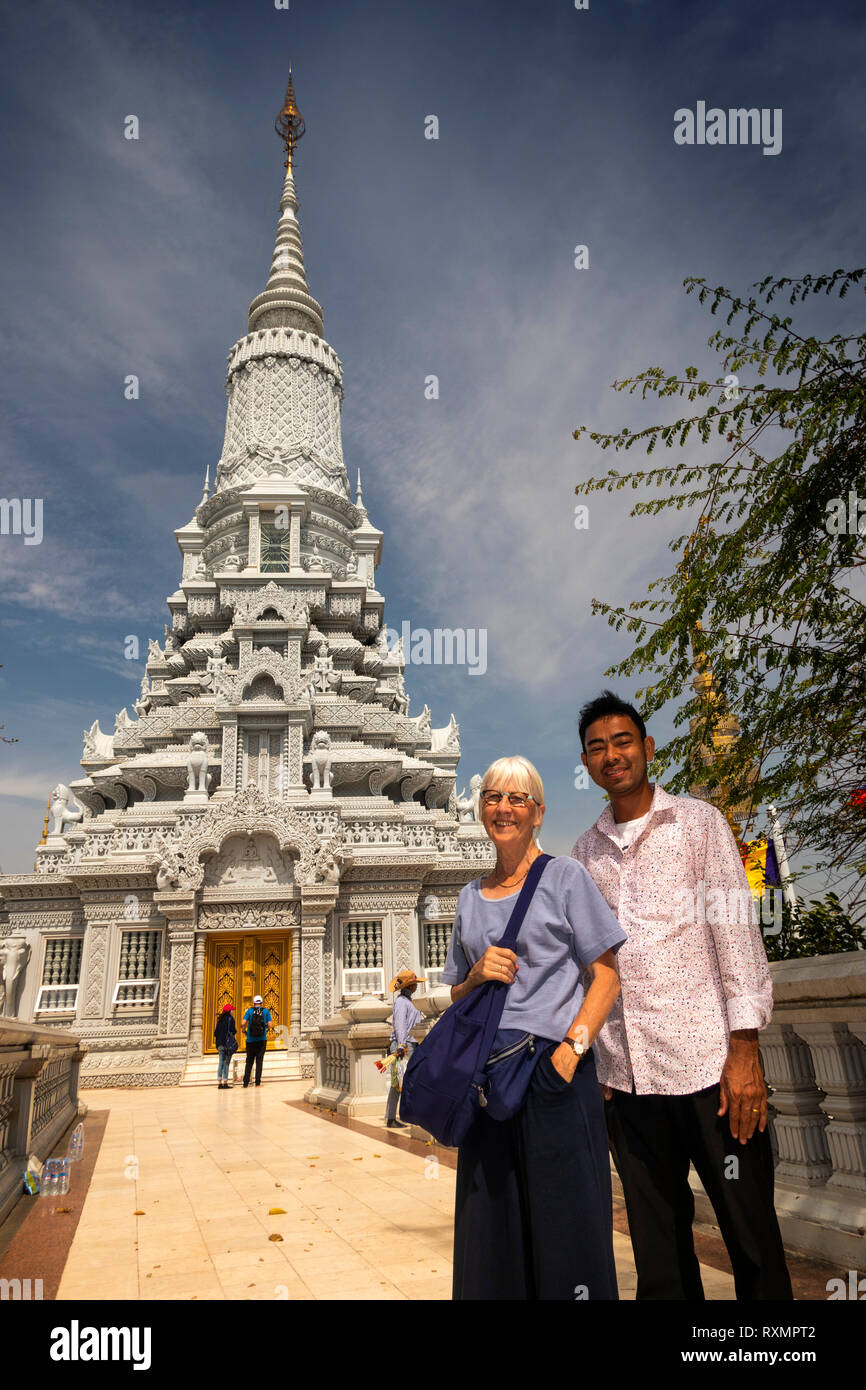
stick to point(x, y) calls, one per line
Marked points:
point(76, 1144)
point(55, 1178)
point(62, 1176)
point(48, 1182)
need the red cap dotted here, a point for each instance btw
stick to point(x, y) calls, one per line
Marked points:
point(227, 1008)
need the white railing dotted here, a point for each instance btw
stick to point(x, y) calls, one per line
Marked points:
point(135, 992)
point(47, 1001)
point(814, 1058)
point(38, 1098)
point(369, 980)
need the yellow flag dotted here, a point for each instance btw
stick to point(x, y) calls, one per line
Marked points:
point(754, 853)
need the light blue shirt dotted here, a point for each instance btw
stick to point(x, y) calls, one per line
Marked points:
point(567, 927)
point(405, 1018)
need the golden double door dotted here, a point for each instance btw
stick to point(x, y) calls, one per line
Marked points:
point(239, 967)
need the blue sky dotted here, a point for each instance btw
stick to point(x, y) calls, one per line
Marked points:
point(452, 257)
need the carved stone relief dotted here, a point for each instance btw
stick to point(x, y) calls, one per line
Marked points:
point(246, 861)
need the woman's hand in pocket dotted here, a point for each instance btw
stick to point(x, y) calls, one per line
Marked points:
point(564, 1061)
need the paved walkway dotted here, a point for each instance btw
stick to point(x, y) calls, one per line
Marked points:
point(191, 1186)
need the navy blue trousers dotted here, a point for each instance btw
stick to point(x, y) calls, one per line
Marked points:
point(533, 1216)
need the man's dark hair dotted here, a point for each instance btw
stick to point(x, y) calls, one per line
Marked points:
point(603, 704)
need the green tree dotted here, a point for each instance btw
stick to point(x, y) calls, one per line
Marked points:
point(769, 589)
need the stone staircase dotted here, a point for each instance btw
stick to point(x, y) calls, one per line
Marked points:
point(278, 1066)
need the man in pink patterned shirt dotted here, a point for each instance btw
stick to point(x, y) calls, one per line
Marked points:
point(678, 1056)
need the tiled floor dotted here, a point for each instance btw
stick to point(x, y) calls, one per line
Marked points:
point(192, 1185)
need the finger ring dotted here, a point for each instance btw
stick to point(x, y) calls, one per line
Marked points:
point(754, 1111)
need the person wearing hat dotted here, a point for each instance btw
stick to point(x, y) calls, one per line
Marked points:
point(225, 1037)
point(406, 1016)
point(256, 1024)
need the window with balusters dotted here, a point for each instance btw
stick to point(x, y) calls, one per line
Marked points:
point(363, 963)
point(138, 968)
point(437, 938)
point(61, 971)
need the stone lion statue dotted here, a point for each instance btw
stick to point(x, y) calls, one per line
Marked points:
point(63, 816)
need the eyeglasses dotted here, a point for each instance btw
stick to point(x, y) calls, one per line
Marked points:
point(513, 798)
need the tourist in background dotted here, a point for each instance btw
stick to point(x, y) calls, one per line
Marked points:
point(406, 1016)
point(256, 1026)
point(533, 1213)
point(226, 1039)
point(678, 1057)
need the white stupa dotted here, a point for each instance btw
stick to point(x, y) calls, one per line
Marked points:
point(271, 820)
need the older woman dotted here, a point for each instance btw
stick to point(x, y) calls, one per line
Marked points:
point(533, 1216)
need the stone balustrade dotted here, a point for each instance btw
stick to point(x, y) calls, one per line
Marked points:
point(814, 1056)
point(348, 1046)
point(38, 1098)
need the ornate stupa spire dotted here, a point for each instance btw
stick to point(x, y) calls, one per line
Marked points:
point(284, 381)
point(289, 124)
point(725, 726)
point(286, 301)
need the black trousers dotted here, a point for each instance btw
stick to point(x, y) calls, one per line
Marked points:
point(533, 1216)
point(255, 1053)
point(653, 1139)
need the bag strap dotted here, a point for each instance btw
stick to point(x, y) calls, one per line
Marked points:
point(515, 922)
point(525, 896)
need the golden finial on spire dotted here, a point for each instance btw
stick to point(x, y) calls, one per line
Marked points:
point(47, 819)
point(289, 124)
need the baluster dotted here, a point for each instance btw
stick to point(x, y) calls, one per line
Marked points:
point(839, 1059)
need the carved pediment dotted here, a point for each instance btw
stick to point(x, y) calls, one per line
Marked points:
point(248, 861)
point(251, 813)
point(248, 605)
point(263, 674)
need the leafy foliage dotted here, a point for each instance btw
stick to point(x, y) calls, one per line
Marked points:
point(821, 929)
point(764, 592)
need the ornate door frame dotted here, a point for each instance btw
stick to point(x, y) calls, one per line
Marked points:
point(239, 965)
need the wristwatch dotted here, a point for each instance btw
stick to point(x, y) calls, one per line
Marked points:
point(578, 1048)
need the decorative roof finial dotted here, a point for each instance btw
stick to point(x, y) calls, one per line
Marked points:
point(286, 301)
point(289, 124)
point(359, 499)
point(206, 493)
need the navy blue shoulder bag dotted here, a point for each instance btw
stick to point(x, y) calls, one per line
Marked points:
point(446, 1080)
